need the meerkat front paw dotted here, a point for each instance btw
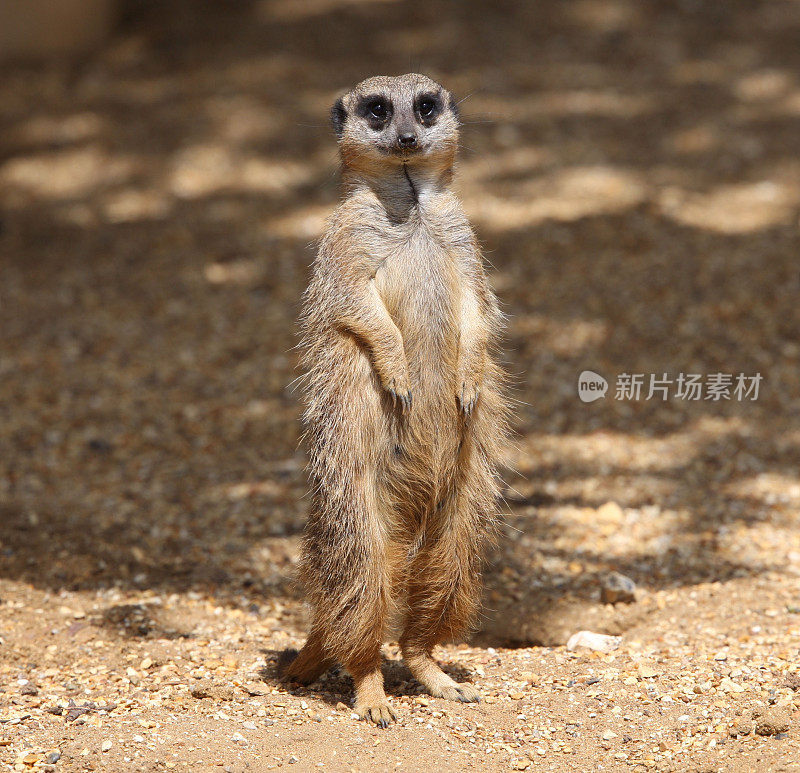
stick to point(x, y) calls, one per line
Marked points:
point(399, 389)
point(381, 714)
point(468, 396)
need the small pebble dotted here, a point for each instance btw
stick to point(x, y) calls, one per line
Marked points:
point(598, 642)
point(617, 588)
point(647, 671)
point(221, 692)
point(773, 721)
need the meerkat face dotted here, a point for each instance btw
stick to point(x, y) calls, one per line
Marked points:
point(408, 119)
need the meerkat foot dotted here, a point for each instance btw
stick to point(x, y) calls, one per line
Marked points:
point(437, 683)
point(306, 674)
point(371, 702)
point(459, 691)
point(382, 715)
point(307, 665)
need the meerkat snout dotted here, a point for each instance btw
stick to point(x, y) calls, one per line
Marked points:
point(407, 140)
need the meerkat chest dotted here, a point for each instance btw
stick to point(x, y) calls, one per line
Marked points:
point(418, 280)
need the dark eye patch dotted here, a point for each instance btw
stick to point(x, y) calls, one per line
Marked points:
point(428, 107)
point(338, 116)
point(375, 109)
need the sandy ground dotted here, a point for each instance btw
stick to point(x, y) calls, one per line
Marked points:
point(632, 170)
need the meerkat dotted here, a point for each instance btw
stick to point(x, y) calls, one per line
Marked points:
point(404, 410)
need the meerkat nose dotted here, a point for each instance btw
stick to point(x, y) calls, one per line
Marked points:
point(407, 140)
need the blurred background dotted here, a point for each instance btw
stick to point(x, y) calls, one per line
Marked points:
point(165, 169)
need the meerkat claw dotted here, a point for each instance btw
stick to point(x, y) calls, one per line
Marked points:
point(462, 693)
point(468, 696)
point(406, 400)
point(382, 716)
point(404, 396)
point(468, 403)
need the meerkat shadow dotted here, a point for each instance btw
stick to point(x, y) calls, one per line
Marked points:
point(336, 686)
point(398, 679)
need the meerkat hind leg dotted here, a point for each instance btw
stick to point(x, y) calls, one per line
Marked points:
point(363, 661)
point(417, 644)
point(443, 595)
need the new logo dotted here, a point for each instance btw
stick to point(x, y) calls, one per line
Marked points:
point(591, 386)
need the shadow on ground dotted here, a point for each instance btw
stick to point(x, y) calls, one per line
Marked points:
point(336, 684)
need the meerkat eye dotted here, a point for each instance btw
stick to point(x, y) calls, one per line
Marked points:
point(378, 111)
point(426, 108)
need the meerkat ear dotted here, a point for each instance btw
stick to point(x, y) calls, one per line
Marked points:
point(453, 105)
point(338, 117)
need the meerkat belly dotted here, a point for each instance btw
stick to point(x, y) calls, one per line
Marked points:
point(420, 291)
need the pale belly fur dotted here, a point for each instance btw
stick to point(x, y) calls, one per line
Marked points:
point(420, 290)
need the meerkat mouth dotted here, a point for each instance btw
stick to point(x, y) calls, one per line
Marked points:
point(407, 153)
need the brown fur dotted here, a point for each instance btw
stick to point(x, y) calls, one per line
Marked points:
point(404, 413)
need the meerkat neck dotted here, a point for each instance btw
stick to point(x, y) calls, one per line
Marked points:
point(401, 188)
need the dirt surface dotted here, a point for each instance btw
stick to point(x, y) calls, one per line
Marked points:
point(632, 170)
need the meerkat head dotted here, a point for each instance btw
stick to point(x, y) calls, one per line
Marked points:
point(408, 119)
